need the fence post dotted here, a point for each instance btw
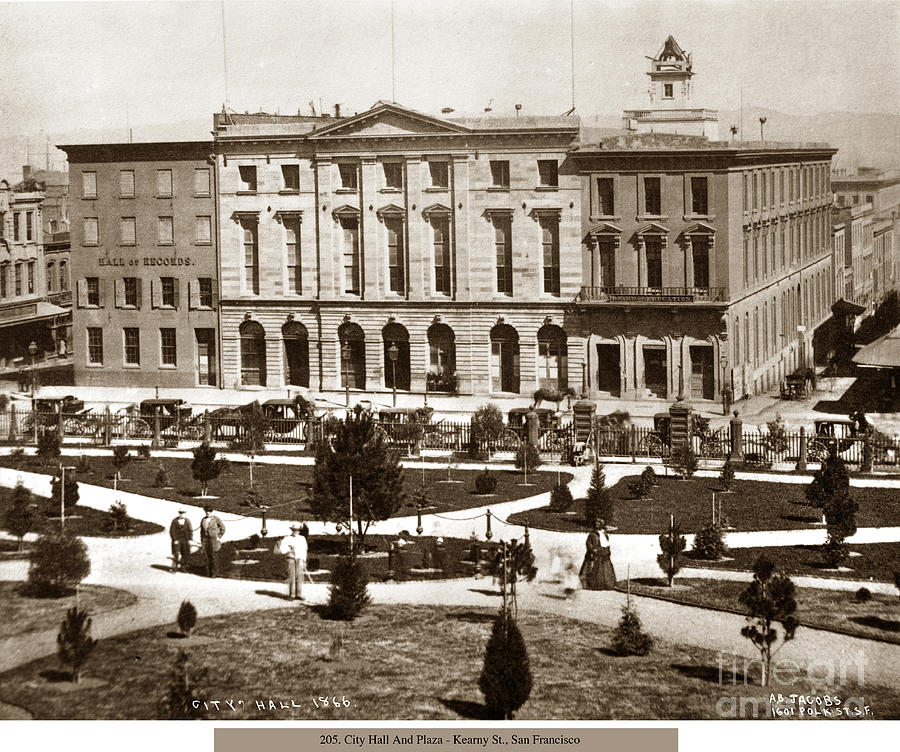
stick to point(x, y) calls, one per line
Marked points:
point(107, 427)
point(13, 428)
point(60, 429)
point(154, 444)
point(632, 440)
point(804, 451)
point(207, 428)
point(737, 438)
point(868, 458)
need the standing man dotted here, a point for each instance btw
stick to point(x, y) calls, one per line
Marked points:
point(211, 531)
point(181, 533)
point(293, 547)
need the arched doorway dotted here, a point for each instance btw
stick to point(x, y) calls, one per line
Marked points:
point(395, 335)
point(553, 354)
point(253, 354)
point(353, 361)
point(296, 354)
point(441, 359)
point(504, 359)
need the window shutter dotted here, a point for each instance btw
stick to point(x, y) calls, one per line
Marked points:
point(193, 294)
point(101, 292)
point(81, 286)
point(215, 299)
point(120, 293)
point(140, 290)
point(177, 298)
point(155, 293)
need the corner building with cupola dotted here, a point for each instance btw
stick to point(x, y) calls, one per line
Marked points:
point(392, 249)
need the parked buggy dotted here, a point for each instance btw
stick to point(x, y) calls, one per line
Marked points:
point(834, 433)
point(45, 412)
point(707, 442)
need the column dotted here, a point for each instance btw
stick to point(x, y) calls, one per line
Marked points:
point(596, 280)
point(372, 252)
point(459, 198)
point(689, 263)
point(642, 263)
point(417, 251)
point(325, 231)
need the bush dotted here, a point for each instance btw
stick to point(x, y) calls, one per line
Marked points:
point(487, 427)
point(206, 466)
point(120, 459)
point(19, 518)
point(485, 483)
point(58, 562)
point(863, 595)
point(506, 679)
point(143, 451)
point(118, 517)
point(835, 552)
point(527, 457)
point(83, 465)
point(253, 498)
point(74, 642)
point(348, 595)
point(162, 478)
point(684, 460)
point(72, 493)
point(187, 618)
point(776, 438)
point(48, 444)
point(598, 505)
point(561, 498)
point(709, 542)
point(726, 477)
point(672, 544)
point(180, 702)
point(648, 475)
point(629, 637)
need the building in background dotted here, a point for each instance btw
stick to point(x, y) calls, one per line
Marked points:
point(143, 264)
point(54, 184)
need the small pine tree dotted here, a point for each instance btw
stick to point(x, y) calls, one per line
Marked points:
point(485, 482)
point(206, 466)
point(19, 517)
point(181, 702)
point(528, 458)
point(672, 545)
point(162, 477)
point(348, 594)
point(48, 445)
point(709, 542)
point(506, 679)
point(486, 428)
point(598, 505)
point(187, 618)
point(120, 459)
point(83, 465)
point(684, 460)
point(72, 493)
point(629, 637)
point(74, 642)
point(726, 477)
point(830, 491)
point(118, 517)
point(561, 498)
point(648, 475)
point(776, 438)
point(58, 562)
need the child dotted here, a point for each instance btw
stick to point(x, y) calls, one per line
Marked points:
point(571, 580)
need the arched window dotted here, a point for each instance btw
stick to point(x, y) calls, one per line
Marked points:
point(253, 354)
point(504, 359)
point(352, 354)
point(51, 277)
point(396, 370)
point(553, 356)
point(296, 354)
point(441, 359)
point(63, 275)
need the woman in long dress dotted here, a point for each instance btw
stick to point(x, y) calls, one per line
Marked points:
point(597, 571)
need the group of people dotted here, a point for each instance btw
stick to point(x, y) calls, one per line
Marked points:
point(181, 533)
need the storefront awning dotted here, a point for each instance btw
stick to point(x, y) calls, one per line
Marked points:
point(884, 352)
point(26, 313)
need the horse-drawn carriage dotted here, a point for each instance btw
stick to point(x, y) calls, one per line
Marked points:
point(283, 418)
point(173, 416)
point(707, 442)
point(552, 436)
point(45, 412)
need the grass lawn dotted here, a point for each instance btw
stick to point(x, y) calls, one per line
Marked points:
point(836, 610)
point(397, 662)
point(752, 505)
point(281, 484)
point(23, 613)
point(877, 562)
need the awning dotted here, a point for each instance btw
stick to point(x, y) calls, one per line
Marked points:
point(846, 307)
point(26, 313)
point(884, 352)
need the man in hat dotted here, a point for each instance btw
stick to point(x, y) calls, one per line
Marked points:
point(293, 547)
point(181, 533)
point(211, 531)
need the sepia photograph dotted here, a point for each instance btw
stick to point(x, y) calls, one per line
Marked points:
point(511, 365)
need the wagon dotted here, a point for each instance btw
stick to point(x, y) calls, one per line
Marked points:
point(46, 411)
point(837, 433)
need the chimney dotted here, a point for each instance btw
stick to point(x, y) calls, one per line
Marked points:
point(26, 172)
point(337, 109)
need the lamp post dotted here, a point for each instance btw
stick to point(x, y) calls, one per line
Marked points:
point(62, 496)
point(345, 357)
point(393, 352)
point(32, 351)
point(725, 406)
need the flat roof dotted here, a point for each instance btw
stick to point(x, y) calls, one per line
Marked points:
point(884, 352)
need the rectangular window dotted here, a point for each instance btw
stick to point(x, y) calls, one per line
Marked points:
point(548, 173)
point(763, 190)
point(290, 177)
point(127, 231)
point(652, 197)
point(350, 227)
point(606, 202)
point(131, 290)
point(499, 173)
point(668, 91)
point(393, 175)
point(4, 273)
point(17, 226)
point(251, 255)
point(755, 191)
point(781, 185)
point(440, 174)
point(206, 357)
point(699, 196)
point(442, 271)
point(126, 183)
point(205, 292)
point(550, 248)
point(168, 292)
point(165, 231)
point(18, 279)
point(93, 291)
point(132, 339)
point(396, 255)
point(755, 258)
point(746, 262)
point(29, 226)
point(95, 345)
point(607, 262)
point(700, 257)
point(203, 230)
point(765, 255)
point(247, 176)
point(746, 179)
point(89, 184)
point(349, 176)
point(503, 247)
point(654, 262)
point(30, 277)
point(772, 189)
point(201, 181)
point(168, 352)
point(292, 253)
point(164, 183)
point(91, 233)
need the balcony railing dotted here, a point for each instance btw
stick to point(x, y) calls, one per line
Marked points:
point(663, 114)
point(61, 298)
point(652, 295)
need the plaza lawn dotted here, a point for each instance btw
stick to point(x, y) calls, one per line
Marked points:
point(878, 561)
point(23, 613)
point(279, 485)
point(836, 610)
point(751, 505)
point(397, 662)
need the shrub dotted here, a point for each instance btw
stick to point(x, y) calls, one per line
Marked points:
point(776, 438)
point(187, 618)
point(19, 518)
point(48, 444)
point(181, 702)
point(83, 465)
point(726, 477)
point(598, 505)
point(120, 459)
point(684, 460)
point(206, 466)
point(118, 517)
point(162, 477)
point(709, 542)
point(143, 451)
point(487, 426)
point(863, 595)
point(527, 456)
point(629, 637)
point(253, 498)
point(17, 452)
point(72, 493)
point(506, 679)
point(74, 642)
point(834, 552)
point(485, 483)
point(672, 544)
point(830, 491)
point(348, 594)
point(561, 498)
point(58, 562)
point(648, 475)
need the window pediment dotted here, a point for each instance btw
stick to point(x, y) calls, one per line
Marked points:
point(539, 213)
point(347, 211)
point(700, 228)
point(242, 216)
point(391, 211)
point(294, 215)
point(653, 228)
point(436, 209)
point(498, 212)
point(604, 228)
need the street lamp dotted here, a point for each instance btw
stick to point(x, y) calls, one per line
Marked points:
point(725, 402)
point(345, 357)
point(32, 351)
point(393, 352)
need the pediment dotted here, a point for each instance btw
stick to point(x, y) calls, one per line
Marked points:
point(653, 228)
point(391, 210)
point(605, 228)
point(700, 228)
point(386, 120)
point(436, 209)
point(345, 211)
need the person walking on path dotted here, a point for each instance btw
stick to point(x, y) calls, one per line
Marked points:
point(211, 531)
point(293, 547)
point(597, 571)
point(181, 533)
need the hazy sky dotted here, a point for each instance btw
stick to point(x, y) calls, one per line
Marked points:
point(73, 65)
